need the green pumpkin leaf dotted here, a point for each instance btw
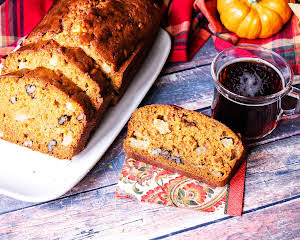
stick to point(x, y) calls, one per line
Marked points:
point(136, 190)
point(191, 202)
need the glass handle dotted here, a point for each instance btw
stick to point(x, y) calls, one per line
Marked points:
point(295, 112)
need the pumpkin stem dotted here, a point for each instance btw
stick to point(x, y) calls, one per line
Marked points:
point(253, 1)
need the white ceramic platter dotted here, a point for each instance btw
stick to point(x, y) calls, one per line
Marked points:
point(35, 177)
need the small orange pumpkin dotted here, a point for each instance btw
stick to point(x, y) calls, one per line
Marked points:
point(254, 18)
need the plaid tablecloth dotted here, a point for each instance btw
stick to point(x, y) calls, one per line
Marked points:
point(18, 18)
point(191, 23)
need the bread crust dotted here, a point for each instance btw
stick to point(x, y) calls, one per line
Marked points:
point(85, 72)
point(131, 66)
point(159, 161)
point(152, 161)
point(89, 34)
point(45, 80)
point(111, 32)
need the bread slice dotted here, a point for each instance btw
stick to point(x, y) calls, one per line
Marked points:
point(112, 32)
point(184, 141)
point(44, 112)
point(71, 62)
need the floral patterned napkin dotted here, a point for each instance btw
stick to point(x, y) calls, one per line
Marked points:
point(147, 183)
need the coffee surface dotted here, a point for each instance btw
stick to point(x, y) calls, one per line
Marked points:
point(250, 79)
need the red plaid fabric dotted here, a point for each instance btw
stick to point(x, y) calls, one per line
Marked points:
point(187, 28)
point(18, 18)
point(191, 23)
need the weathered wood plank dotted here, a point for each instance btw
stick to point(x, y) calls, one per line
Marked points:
point(203, 57)
point(273, 172)
point(174, 89)
point(95, 213)
point(98, 213)
point(107, 170)
point(90, 209)
point(183, 88)
point(281, 221)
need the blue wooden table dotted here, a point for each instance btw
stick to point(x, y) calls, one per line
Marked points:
point(91, 211)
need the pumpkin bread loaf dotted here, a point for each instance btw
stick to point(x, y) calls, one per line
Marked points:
point(44, 111)
point(59, 83)
point(115, 33)
point(71, 62)
point(184, 141)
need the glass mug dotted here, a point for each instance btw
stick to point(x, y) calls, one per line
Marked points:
point(252, 116)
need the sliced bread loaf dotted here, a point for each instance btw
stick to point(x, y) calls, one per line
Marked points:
point(45, 112)
point(184, 141)
point(114, 33)
point(71, 62)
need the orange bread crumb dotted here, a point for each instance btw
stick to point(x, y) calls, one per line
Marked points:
point(44, 112)
point(184, 141)
point(113, 32)
point(72, 62)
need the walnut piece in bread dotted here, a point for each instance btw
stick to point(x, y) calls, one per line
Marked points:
point(184, 141)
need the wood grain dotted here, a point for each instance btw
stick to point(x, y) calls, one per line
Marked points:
point(90, 210)
point(169, 89)
point(97, 213)
point(165, 90)
point(279, 221)
point(107, 170)
point(202, 58)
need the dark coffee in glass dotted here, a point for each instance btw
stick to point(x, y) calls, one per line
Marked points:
point(249, 84)
point(249, 79)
